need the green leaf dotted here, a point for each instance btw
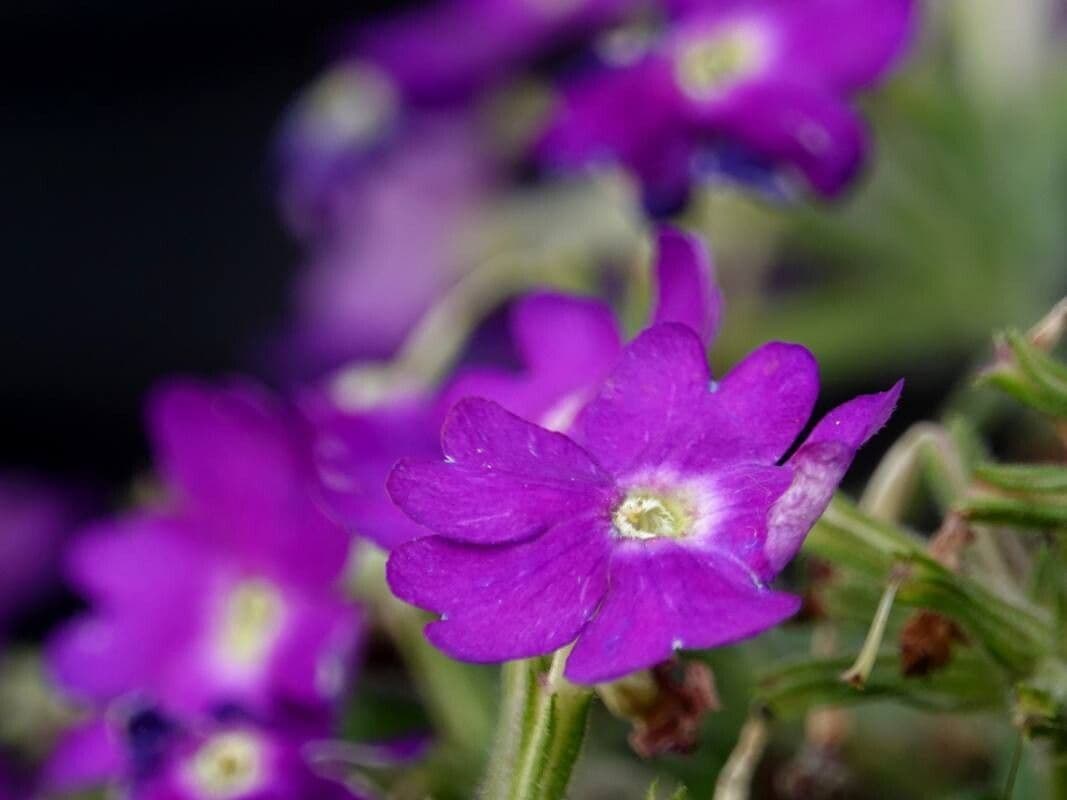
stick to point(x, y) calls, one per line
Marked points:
point(1026, 478)
point(1014, 635)
point(1019, 512)
point(1030, 375)
point(968, 682)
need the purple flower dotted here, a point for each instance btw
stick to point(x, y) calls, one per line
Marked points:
point(567, 345)
point(656, 525)
point(392, 243)
point(773, 78)
point(226, 594)
point(149, 756)
point(451, 49)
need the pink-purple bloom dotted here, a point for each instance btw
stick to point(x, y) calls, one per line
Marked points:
point(225, 593)
point(771, 79)
point(656, 524)
point(389, 241)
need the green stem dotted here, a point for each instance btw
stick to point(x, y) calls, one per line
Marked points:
point(543, 723)
point(517, 686)
point(860, 671)
point(1059, 776)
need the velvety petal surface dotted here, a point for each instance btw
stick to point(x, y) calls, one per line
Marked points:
point(503, 478)
point(664, 596)
point(686, 291)
point(506, 601)
point(770, 395)
point(818, 466)
point(660, 406)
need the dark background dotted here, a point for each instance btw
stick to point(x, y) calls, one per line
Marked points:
point(139, 232)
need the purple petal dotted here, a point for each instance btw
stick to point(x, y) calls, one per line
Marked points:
point(770, 395)
point(354, 453)
point(85, 757)
point(239, 460)
point(503, 479)
point(313, 660)
point(664, 596)
point(743, 496)
point(794, 124)
point(648, 410)
point(568, 345)
point(685, 284)
point(568, 339)
point(508, 601)
point(819, 464)
point(222, 447)
point(845, 45)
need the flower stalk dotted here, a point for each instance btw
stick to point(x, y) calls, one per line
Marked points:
point(542, 726)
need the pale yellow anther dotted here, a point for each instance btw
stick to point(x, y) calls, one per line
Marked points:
point(226, 766)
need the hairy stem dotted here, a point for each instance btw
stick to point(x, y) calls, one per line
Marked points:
point(539, 745)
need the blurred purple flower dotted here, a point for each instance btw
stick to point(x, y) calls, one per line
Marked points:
point(354, 451)
point(35, 520)
point(567, 345)
point(656, 526)
point(392, 244)
point(228, 595)
point(328, 137)
point(149, 756)
point(772, 77)
point(449, 50)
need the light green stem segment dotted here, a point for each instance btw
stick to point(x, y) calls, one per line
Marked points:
point(542, 724)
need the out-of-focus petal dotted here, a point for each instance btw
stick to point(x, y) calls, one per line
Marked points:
point(686, 291)
point(844, 45)
point(354, 453)
point(807, 128)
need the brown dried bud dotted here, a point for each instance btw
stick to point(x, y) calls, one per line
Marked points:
point(926, 642)
point(820, 574)
point(665, 705)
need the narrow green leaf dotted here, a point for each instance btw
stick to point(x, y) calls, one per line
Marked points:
point(1026, 478)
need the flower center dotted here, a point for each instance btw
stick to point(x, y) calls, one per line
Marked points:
point(646, 515)
point(227, 765)
point(351, 106)
point(706, 66)
point(251, 622)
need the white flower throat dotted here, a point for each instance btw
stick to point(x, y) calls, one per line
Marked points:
point(706, 66)
point(227, 766)
point(649, 515)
